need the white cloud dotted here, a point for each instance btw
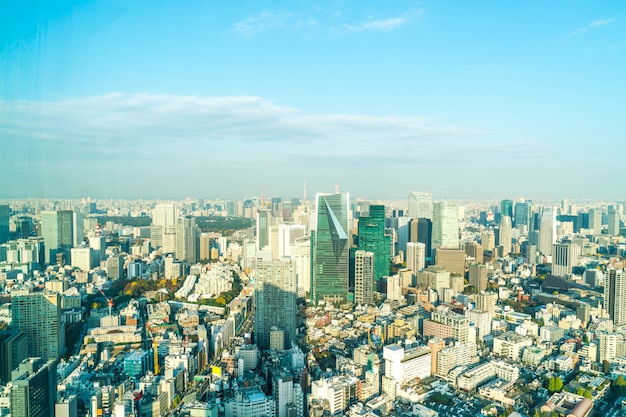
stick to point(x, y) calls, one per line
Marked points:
point(326, 21)
point(601, 22)
point(262, 21)
point(94, 142)
point(382, 25)
point(596, 23)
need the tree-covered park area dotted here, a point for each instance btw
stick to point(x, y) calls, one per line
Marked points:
point(137, 221)
point(218, 224)
point(224, 225)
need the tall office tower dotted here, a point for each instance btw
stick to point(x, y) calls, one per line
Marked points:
point(301, 256)
point(420, 205)
point(487, 302)
point(505, 235)
point(478, 276)
point(58, 234)
point(402, 227)
point(288, 233)
point(372, 238)
point(78, 226)
point(4, 223)
point(613, 221)
point(522, 214)
point(275, 301)
point(165, 214)
point(205, 247)
point(263, 222)
point(13, 350)
point(547, 231)
point(363, 277)
point(445, 225)
point(34, 390)
point(564, 258)
point(164, 217)
point(415, 256)
point(595, 220)
point(488, 240)
point(330, 247)
point(475, 251)
point(423, 233)
point(186, 239)
point(39, 316)
point(615, 296)
point(506, 208)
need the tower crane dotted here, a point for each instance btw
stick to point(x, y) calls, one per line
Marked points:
point(109, 300)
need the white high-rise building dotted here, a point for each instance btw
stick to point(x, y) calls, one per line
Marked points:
point(420, 205)
point(415, 256)
point(287, 235)
point(301, 256)
point(595, 220)
point(445, 225)
point(505, 235)
point(406, 365)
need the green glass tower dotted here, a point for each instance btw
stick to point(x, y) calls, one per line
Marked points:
point(330, 249)
point(372, 238)
point(506, 208)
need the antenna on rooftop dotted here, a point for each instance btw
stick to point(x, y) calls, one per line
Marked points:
point(336, 188)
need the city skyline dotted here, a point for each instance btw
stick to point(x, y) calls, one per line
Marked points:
point(155, 100)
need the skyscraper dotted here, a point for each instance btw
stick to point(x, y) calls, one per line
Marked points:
point(615, 296)
point(372, 238)
point(420, 205)
point(505, 234)
point(57, 229)
point(363, 277)
point(595, 220)
point(34, 390)
point(186, 239)
point(506, 208)
point(164, 216)
point(263, 220)
point(478, 276)
point(288, 233)
point(13, 350)
point(275, 301)
point(330, 249)
point(39, 316)
point(522, 214)
point(4, 223)
point(613, 221)
point(415, 256)
point(445, 225)
point(547, 231)
point(564, 258)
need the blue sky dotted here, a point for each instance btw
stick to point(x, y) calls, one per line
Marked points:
point(169, 99)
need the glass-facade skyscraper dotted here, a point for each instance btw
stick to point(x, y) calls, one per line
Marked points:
point(57, 229)
point(372, 238)
point(330, 247)
point(420, 205)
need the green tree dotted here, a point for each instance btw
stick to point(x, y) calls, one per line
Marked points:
point(606, 367)
point(620, 385)
point(555, 384)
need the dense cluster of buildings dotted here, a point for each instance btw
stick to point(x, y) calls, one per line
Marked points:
point(323, 307)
